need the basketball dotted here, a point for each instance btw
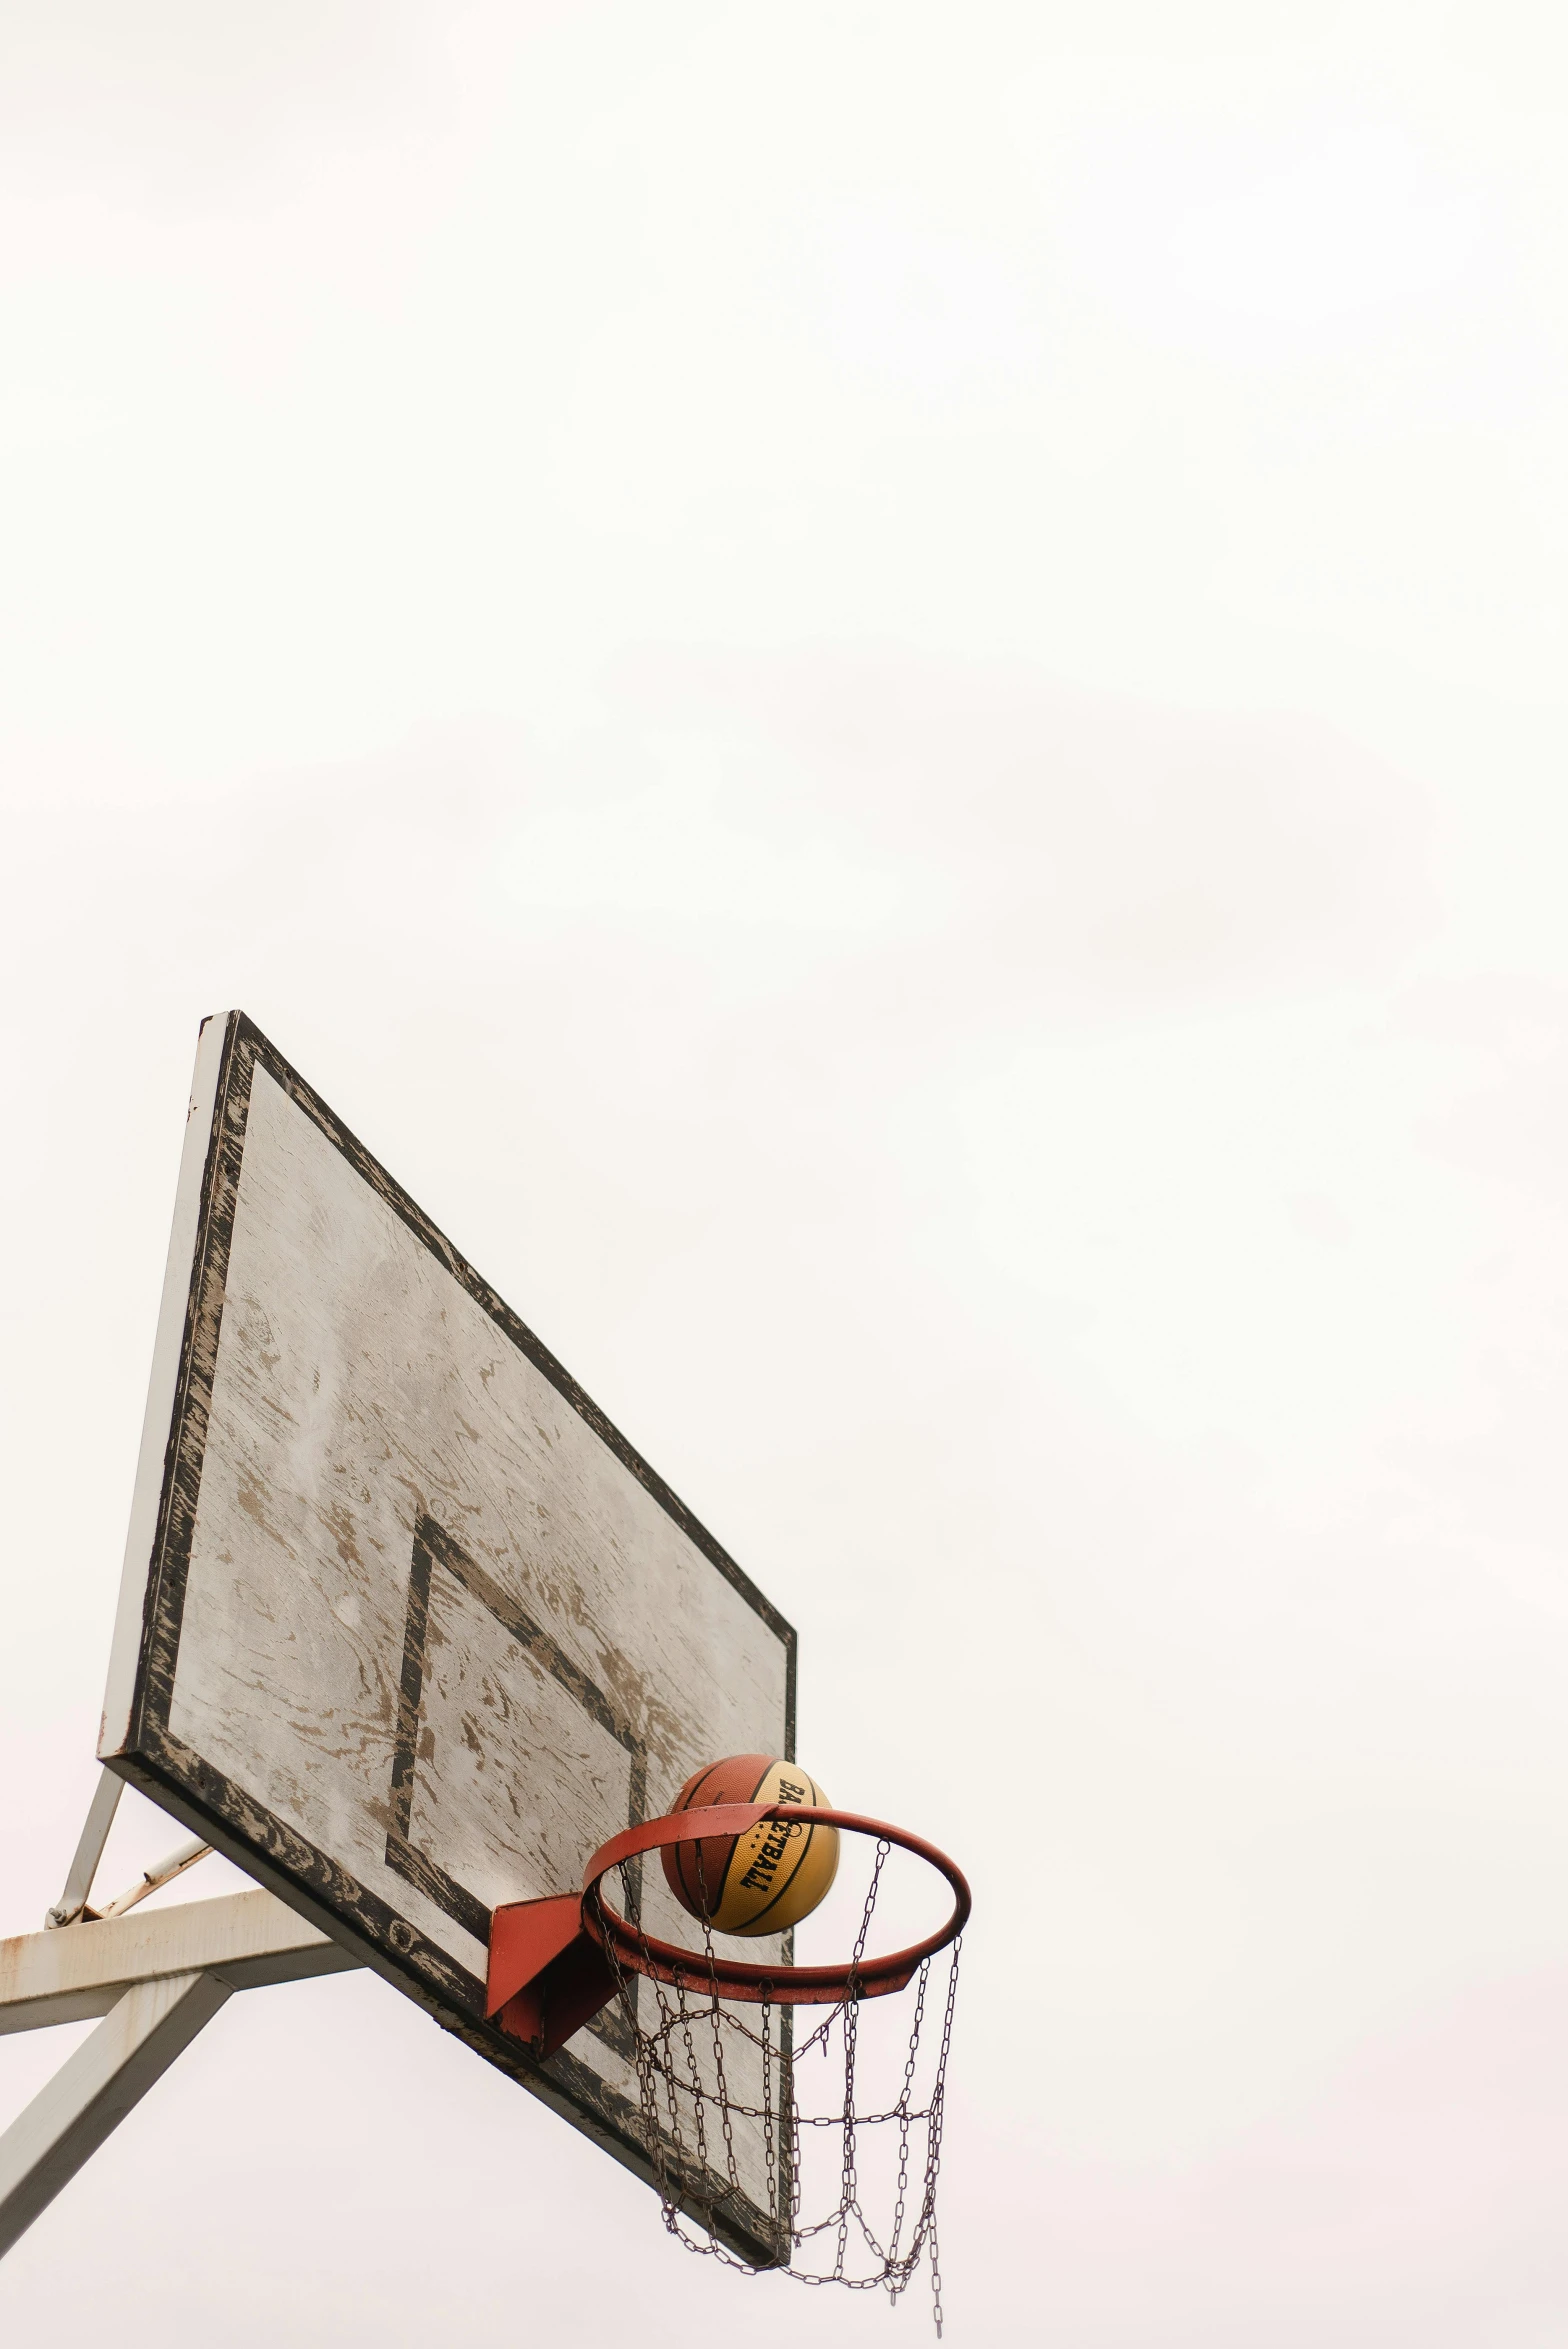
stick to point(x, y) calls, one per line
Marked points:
point(763, 1882)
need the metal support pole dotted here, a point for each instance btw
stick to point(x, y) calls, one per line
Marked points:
point(95, 2088)
point(156, 1977)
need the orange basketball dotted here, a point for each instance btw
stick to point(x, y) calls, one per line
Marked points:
point(763, 1882)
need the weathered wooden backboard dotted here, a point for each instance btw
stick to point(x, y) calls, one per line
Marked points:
point(407, 1628)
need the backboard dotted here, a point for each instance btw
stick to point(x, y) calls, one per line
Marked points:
point(407, 1628)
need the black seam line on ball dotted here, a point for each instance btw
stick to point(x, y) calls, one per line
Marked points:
point(692, 1877)
point(724, 1880)
point(687, 1866)
point(754, 1924)
point(688, 1802)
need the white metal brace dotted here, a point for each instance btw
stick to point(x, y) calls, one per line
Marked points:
point(89, 1850)
point(155, 1979)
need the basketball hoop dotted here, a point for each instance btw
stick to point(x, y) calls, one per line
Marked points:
point(553, 1626)
point(701, 2064)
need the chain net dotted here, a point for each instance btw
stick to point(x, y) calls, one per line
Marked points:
point(830, 2139)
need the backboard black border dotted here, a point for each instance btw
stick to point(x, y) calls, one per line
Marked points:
point(210, 1803)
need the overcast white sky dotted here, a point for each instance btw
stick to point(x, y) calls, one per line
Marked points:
point(880, 689)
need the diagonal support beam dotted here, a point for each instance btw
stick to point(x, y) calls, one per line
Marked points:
point(95, 2088)
point(161, 1872)
point(156, 1978)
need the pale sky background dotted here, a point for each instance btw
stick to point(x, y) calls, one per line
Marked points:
point(880, 689)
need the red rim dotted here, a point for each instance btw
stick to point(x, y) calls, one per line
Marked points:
point(734, 1978)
